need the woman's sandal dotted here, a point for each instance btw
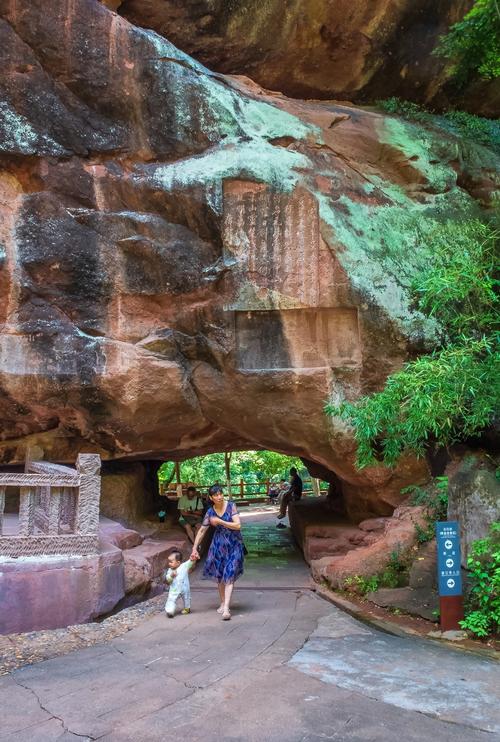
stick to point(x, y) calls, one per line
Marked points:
point(226, 616)
point(220, 609)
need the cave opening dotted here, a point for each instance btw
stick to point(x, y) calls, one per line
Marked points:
point(150, 489)
point(152, 498)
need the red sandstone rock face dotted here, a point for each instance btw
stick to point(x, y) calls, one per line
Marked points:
point(399, 536)
point(190, 264)
point(347, 50)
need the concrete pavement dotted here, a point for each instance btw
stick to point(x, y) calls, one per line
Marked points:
point(288, 666)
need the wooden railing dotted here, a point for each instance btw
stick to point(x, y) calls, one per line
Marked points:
point(238, 490)
point(58, 508)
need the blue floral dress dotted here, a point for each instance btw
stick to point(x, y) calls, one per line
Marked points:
point(224, 561)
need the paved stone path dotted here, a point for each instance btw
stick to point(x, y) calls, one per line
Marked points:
point(288, 667)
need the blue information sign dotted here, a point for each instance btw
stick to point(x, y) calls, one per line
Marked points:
point(448, 562)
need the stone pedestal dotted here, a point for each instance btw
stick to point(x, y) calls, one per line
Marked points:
point(52, 592)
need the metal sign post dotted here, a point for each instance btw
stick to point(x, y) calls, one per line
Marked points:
point(449, 575)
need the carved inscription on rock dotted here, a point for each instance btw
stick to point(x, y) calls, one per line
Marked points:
point(282, 259)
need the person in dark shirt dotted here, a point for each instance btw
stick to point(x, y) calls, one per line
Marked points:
point(294, 493)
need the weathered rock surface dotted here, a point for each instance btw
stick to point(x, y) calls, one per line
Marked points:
point(473, 497)
point(190, 264)
point(320, 532)
point(420, 596)
point(349, 50)
point(373, 525)
point(337, 550)
point(415, 601)
point(123, 538)
point(423, 571)
point(398, 536)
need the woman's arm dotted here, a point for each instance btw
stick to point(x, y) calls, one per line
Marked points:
point(234, 525)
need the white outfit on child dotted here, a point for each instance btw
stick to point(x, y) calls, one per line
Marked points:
point(179, 586)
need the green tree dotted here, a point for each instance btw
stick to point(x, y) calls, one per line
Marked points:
point(454, 392)
point(251, 466)
point(473, 44)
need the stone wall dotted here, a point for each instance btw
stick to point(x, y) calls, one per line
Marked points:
point(129, 492)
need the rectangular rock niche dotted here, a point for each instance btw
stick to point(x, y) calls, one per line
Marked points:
point(297, 338)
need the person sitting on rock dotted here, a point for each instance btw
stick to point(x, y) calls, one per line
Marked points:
point(276, 491)
point(177, 576)
point(190, 506)
point(294, 493)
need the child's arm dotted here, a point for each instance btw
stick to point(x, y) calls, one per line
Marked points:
point(169, 576)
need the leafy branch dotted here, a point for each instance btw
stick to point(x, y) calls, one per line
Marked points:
point(473, 44)
point(452, 393)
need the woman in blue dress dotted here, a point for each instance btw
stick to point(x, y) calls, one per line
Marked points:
point(224, 562)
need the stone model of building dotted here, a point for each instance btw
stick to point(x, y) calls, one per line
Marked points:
point(58, 509)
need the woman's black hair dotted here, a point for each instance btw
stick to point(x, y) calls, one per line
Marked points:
point(214, 489)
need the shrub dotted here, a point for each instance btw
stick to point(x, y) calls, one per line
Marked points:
point(482, 616)
point(394, 575)
point(361, 585)
point(424, 534)
point(460, 289)
point(396, 572)
point(434, 498)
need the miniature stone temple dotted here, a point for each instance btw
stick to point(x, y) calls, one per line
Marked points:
point(58, 509)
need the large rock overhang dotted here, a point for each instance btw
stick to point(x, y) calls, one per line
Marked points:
point(191, 264)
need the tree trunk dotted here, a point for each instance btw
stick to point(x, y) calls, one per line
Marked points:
point(227, 466)
point(178, 478)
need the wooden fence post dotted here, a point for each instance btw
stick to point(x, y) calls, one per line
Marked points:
point(316, 490)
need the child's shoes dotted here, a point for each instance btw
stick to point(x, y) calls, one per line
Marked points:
point(185, 611)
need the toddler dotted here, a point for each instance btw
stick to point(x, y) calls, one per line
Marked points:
point(177, 576)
